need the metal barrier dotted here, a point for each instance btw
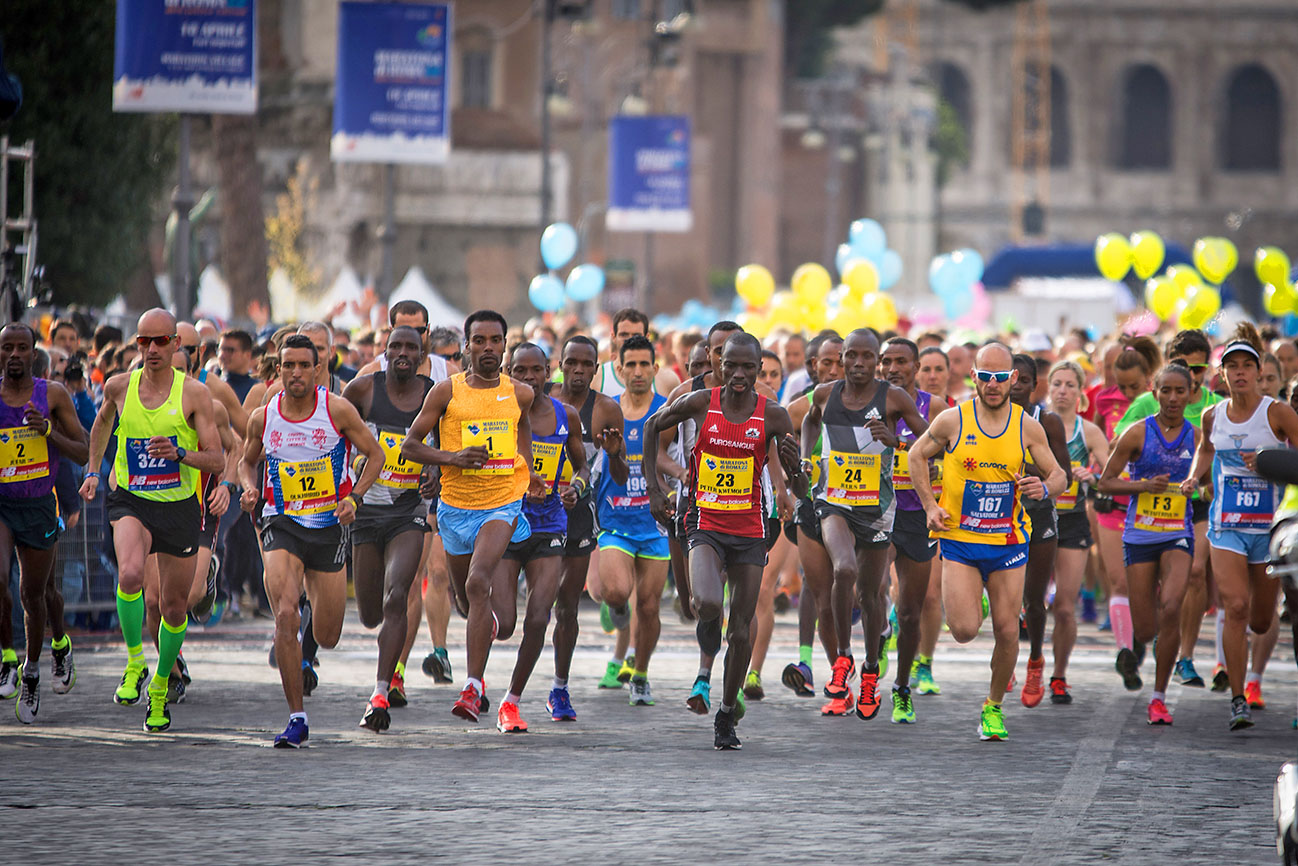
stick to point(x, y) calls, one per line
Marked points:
point(86, 568)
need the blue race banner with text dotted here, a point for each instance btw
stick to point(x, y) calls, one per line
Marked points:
point(649, 174)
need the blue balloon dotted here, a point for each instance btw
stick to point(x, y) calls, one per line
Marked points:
point(970, 264)
point(546, 293)
point(956, 304)
point(558, 245)
point(867, 238)
point(889, 269)
point(944, 276)
point(585, 282)
point(844, 255)
point(1290, 323)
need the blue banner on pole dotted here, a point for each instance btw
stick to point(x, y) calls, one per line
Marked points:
point(391, 99)
point(196, 56)
point(649, 174)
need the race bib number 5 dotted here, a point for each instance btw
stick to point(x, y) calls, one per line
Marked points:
point(852, 480)
point(145, 473)
point(500, 440)
point(308, 487)
point(545, 460)
point(725, 483)
point(24, 455)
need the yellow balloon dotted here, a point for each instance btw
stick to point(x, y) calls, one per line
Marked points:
point(861, 278)
point(811, 284)
point(1279, 298)
point(785, 311)
point(1113, 256)
point(1198, 307)
point(880, 311)
point(754, 323)
point(814, 319)
point(1215, 258)
point(1147, 253)
point(1184, 278)
point(755, 285)
point(1271, 266)
point(1161, 295)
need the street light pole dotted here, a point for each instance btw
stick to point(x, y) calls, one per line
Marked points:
point(547, 193)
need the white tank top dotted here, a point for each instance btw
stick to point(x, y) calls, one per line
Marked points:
point(436, 367)
point(307, 464)
point(1242, 500)
point(609, 382)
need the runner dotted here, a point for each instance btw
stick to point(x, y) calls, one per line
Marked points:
point(980, 519)
point(389, 531)
point(481, 419)
point(305, 435)
point(633, 548)
point(556, 450)
point(1087, 448)
point(412, 314)
point(856, 422)
point(1044, 541)
point(601, 427)
point(38, 424)
point(629, 322)
point(166, 436)
point(913, 549)
point(933, 377)
point(738, 430)
point(1243, 505)
point(1159, 536)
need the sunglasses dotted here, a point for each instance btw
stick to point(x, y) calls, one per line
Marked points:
point(143, 342)
point(420, 329)
point(453, 356)
point(992, 375)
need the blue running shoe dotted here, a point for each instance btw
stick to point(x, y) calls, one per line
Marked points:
point(309, 678)
point(1186, 675)
point(559, 707)
point(294, 736)
point(700, 699)
point(798, 678)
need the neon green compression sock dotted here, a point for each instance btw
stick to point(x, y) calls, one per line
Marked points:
point(130, 613)
point(170, 638)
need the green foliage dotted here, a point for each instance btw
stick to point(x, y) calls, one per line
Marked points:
point(950, 142)
point(99, 175)
point(806, 30)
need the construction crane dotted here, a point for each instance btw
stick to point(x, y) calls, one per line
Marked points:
point(1030, 121)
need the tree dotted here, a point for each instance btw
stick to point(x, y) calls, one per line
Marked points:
point(99, 176)
point(807, 25)
point(243, 225)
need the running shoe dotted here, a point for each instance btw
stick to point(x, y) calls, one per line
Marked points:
point(1126, 665)
point(1033, 692)
point(128, 691)
point(469, 704)
point(158, 718)
point(1240, 715)
point(377, 718)
point(437, 664)
point(1253, 694)
point(1220, 681)
point(176, 689)
point(741, 707)
point(1088, 608)
point(484, 703)
point(63, 669)
point(1158, 714)
point(987, 605)
point(641, 694)
point(309, 678)
point(798, 677)
point(867, 704)
point(753, 686)
point(294, 736)
point(992, 725)
point(921, 674)
point(508, 721)
point(838, 706)
point(1059, 693)
point(29, 701)
point(883, 655)
point(397, 691)
point(700, 699)
point(203, 607)
point(903, 707)
point(723, 728)
point(1107, 625)
point(1186, 675)
point(840, 677)
point(606, 618)
point(627, 671)
point(610, 680)
point(559, 706)
point(9, 679)
point(894, 628)
point(182, 669)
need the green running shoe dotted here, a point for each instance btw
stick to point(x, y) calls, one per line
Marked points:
point(894, 628)
point(921, 674)
point(627, 670)
point(741, 708)
point(987, 605)
point(883, 656)
point(903, 708)
point(606, 618)
point(992, 726)
point(158, 718)
point(610, 680)
point(753, 686)
point(128, 692)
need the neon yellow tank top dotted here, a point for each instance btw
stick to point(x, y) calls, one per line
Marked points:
point(150, 477)
point(979, 491)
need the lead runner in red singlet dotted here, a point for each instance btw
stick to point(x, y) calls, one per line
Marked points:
point(738, 430)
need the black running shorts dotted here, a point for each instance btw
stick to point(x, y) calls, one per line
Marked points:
point(173, 526)
point(323, 549)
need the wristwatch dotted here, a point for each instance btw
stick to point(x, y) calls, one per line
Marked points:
point(180, 454)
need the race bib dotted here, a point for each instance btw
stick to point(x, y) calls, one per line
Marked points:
point(901, 469)
point(852, 479)
point(637, 491)
point(307, 487)
point(397, 471)
point(498, 437)
point(988, 507)
point(1160, 512)
point(545, 461)
point(1247, 502)
point(24, 455)
point(1067, 500)
point(725, 483)
point(145, 473)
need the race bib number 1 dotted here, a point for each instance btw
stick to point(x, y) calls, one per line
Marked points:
point(725, 483)
point(145, 473)
point(24, 455)
point(500, 440)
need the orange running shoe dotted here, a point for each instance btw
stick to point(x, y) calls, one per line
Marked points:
point(1033, 691)
point(508, 721)
point(469, 703)
point(840, 678)
point(397, 691)
point(838, 706)
point(867, 705)
point(1253, 694)
point(1014, 681)
point(1158, 714)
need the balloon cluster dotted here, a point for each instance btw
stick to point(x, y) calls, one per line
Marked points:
point(547, 292)
point(956, 278)
point(1279, 295)
point(1180, 292)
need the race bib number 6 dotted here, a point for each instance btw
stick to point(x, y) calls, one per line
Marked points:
point(397, 471)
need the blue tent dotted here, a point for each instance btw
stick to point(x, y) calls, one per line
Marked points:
point(1066, 260)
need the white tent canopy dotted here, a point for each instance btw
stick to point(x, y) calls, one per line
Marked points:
point(345, 291)
point(213, 296)
point(416, 287)
point(283, 297)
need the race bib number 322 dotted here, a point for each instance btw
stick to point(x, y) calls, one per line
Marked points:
point(149, 473)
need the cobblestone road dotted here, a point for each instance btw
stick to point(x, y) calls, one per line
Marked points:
point(1079, 784)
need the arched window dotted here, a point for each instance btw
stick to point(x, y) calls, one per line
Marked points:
point(1250, 138)
point(1061, 139)
point(953, 89)
point(1145, 133)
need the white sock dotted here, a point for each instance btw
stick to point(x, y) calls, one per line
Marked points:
point(512, 698)
point(706, 673)
point(727, 708)
point(1253, 678)
point(557, 683)
point(1158, 696)
point(302, 716)
point(617, 661)
point(382, 688)
point(475, 682)
point(1221, 626)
